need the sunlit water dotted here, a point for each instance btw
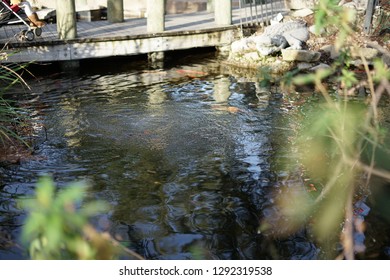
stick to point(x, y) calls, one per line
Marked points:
point(185, 156)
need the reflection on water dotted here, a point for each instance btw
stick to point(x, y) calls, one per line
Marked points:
point(183, 155)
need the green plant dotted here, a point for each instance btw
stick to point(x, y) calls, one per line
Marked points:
point(337, 144)
point(57, 225)
point(10, 116)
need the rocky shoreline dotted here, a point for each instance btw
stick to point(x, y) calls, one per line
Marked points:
point(317, 52)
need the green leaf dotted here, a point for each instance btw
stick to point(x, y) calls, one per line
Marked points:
point(95, 207)
point(348, 78)
point(304, 79)
point(45, 192)
point(53, 232)
point(320, 21)
point(382, 72)
point(72, 194)
point(33, 226)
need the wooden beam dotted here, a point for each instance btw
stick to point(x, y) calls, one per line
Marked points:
point(66, 19)
point(223, 12)
point(83, 49)
point(155, 16)
point(115, 12)
point(210, 6)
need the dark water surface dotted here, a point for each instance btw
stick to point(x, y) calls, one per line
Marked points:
point(185, 155)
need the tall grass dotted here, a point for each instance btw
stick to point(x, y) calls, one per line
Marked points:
point(10, 116)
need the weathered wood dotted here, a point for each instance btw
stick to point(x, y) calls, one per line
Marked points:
point(81, 49)
point(369, 13)
point(210, 6)
point(103, 39)
point(115, 12)
point(155, 16)
point(66, 19)
point(223, 12)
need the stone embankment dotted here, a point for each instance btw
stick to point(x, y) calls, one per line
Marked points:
point(318, 50)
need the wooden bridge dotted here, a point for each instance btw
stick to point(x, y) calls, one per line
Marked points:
point(98, 39)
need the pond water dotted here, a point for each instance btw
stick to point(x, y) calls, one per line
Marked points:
point(185, 155)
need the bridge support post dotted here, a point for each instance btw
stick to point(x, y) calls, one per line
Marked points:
point(70, 66)
point(66, 19)
point(156, 60)
point(223, 12)
point(115, 11)
point(155, 16)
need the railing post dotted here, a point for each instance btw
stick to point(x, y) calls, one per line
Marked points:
point(210, 6)
point(115, 11)
point(66, 19)
point(155, 16)
point(223, 12)
point(369, 13)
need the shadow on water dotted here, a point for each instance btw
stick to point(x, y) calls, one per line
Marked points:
point(185, 155)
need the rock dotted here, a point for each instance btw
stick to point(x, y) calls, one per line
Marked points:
point(361, 92)
point(240, 46)
point(253, 60)
point(320, 66)
point(300, 4)
point(357, 4)
point(302, 13)
point(300, 55)
point(350, 5)
point(312, 30)
point(361, 4)
point(281, 35)
point(252, 56)
point(304, 66)
point(367, 53)
point(277, 19)
point(331, 50)
point(322, 40)
point(386, 59)
point(360, 63)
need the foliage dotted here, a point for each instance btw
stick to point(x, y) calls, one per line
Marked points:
point(57, 226)
point(382, 23)
point(330, 15)
point(10, 116)
point(332, 142)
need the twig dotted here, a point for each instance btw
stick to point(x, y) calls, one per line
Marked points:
point(347, 240)
point(91, 233)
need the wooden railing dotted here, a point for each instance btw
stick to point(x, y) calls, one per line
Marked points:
point(67, 24)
